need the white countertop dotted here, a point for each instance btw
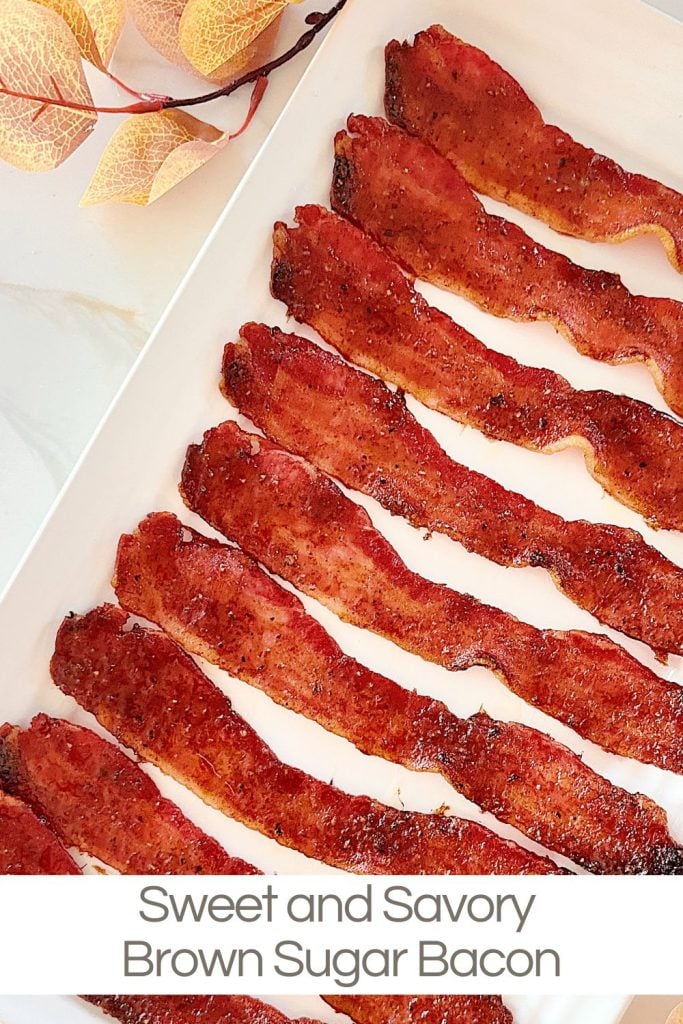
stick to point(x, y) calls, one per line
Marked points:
point(81, 289)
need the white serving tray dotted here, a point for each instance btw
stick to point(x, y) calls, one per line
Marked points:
point(609, 73)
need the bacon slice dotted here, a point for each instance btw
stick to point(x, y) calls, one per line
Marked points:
point(476, 114)
point(27, 846)
point(353, 427)
point(421, 1009)
point(436, 227)
point(183, 1009)
point(298, 523)
point(152, 696)
point(100, 801)
point(242, 620)
point(333, 277)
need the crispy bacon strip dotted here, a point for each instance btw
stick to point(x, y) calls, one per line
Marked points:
point(27, 846)
point(152, 696)
point(100, 801)
point(333, 277)
point(353, 427)
point(183, 1009)
point(421, 1009)
point(298, 523)
point(476, 114)
point(242, 620)
point(434, 225)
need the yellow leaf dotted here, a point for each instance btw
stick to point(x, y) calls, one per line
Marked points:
point(150, 153)
point(107, 18)
point(78, 22)
point(213, 32)
point(39, 56)
point(181, 163)
point(252, 56)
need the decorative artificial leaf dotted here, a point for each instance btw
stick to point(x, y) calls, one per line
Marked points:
point(181, 163)
point(137, 152)
point(255, 55)
point(150, 153)
point(39, 56)
point(158, 22)
point(213, 32)
point(78, 22)
point(107, 18)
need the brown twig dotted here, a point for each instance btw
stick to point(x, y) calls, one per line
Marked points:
point(154, 103)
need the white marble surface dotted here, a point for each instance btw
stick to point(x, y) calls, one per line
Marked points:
point(81, 289)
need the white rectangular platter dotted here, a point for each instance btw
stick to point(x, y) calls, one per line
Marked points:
point(608, 72)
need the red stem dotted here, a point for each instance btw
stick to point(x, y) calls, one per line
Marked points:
point(131, 91)
point(150, 104)
point(144, 107)
point(256, 97)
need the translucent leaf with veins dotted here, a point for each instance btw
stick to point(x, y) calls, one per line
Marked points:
point(39, 55)
point(79, 23)
point(158, 22)
point(213, 32)
point(151, 153)
point(107, 18)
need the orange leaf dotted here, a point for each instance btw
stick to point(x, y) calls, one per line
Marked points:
point(78, 22)
point(39, 56)
point(149, 154)
point(252, 56)
point(107, 18)
point(213, 32)
point(158, 22)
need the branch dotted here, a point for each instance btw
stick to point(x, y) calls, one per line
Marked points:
point(133, 92)
point(319, 22)
point(153, 103)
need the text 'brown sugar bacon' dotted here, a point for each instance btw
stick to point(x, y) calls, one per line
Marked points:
point(299, 524)
point(183, 1009)
point(416, 204)
point(217, 603)
point(27, 845)
point(152, 696)
point(97, 799)
point(421, 1009)
point(332, 276)
point(476, 114)
point(353, 427)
